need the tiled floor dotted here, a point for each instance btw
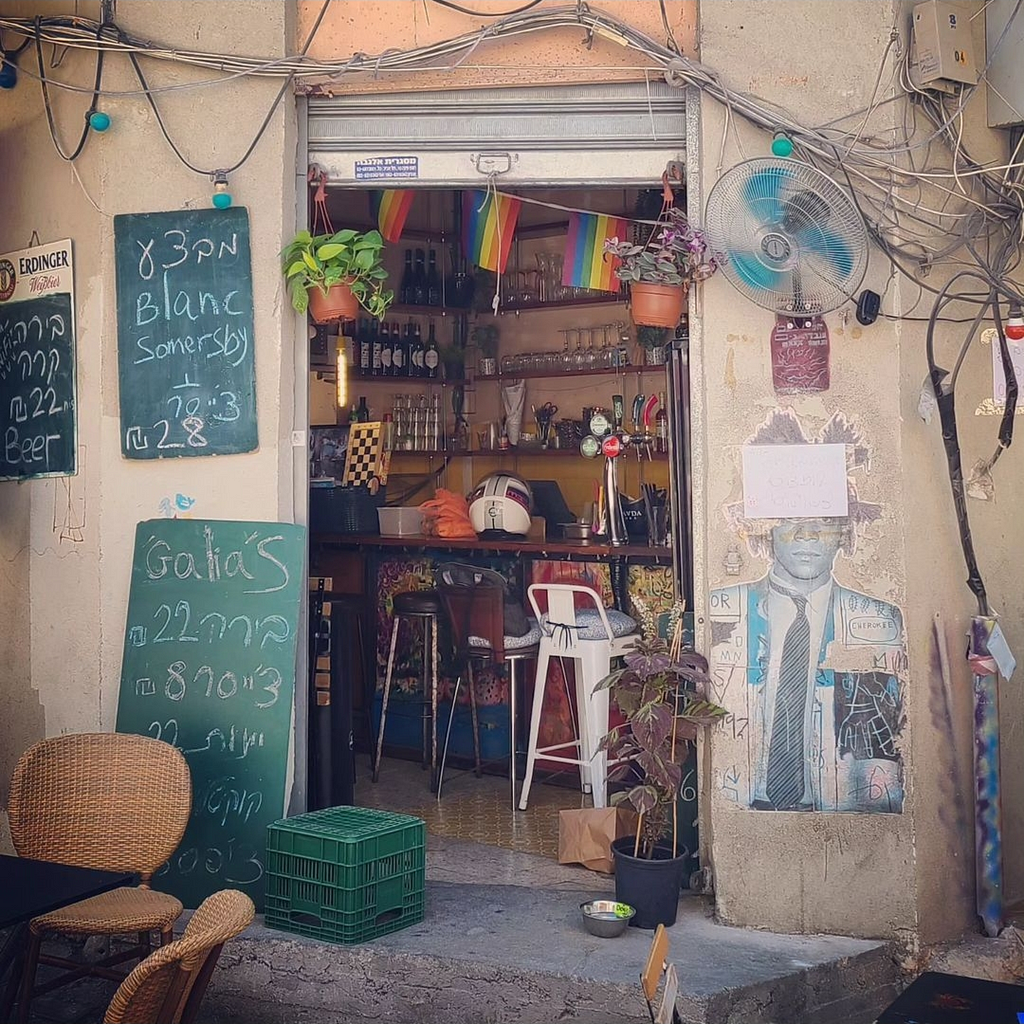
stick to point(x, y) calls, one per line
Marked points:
point(470, 808)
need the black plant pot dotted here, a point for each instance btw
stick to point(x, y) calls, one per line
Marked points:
point(651, 887)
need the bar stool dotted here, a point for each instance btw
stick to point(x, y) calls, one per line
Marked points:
point(590, 637)
point(409, 606)
point(476, 612)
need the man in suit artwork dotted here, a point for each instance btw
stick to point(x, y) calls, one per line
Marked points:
point(809, 668)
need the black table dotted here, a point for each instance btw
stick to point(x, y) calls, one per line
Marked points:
point(29, 888)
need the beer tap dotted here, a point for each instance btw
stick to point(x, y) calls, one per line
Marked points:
point(611, 440)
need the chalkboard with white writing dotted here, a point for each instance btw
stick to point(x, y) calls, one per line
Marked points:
point(38, 421)
point(209, 667)
point(185, 342)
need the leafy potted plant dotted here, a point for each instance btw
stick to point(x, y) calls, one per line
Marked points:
point(486, 338)
point(660, 272)
point(333, 275)
point(661, 695)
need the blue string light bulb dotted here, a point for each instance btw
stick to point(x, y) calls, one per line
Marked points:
point(782, 145)
point(99, 121)
point(222, 198)
point(8, 72)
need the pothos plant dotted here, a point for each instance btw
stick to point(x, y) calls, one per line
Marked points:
point(676, 252)
point(347, 257)
point(662, 696)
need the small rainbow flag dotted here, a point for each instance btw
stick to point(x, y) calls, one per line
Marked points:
point(584, 265)
point(389, 208)
point(488, 224)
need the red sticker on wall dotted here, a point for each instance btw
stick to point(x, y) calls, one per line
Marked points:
point(800, 355)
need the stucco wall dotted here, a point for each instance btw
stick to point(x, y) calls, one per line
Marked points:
point(562, 55)
point(59, 664)
point(908, 875)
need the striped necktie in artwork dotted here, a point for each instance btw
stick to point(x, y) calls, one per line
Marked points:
point(786, 754)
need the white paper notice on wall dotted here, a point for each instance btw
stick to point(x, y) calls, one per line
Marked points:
point(794, 481)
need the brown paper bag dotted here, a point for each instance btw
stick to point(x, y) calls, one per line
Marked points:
point(585, 836)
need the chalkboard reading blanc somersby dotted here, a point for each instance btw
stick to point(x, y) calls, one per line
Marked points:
point(185, 333)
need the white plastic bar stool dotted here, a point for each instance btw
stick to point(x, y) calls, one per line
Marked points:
point(592, 662)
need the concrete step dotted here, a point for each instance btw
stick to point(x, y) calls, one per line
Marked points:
point(491, 954)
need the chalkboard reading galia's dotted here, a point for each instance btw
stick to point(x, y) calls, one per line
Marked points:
point(185, 343)
point(209, 666)
point(38, 428)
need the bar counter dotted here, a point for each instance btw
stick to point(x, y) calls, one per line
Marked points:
point(529, 549)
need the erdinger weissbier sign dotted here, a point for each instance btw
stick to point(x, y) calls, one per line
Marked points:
point(38, 415)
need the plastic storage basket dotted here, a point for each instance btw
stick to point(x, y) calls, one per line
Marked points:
point(400, 521)
point(345, 874)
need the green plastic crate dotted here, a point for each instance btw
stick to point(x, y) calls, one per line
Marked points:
point(345, 874)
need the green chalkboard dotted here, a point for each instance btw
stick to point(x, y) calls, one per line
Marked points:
point(209, 666)
point(186, 368)
point(37, 388)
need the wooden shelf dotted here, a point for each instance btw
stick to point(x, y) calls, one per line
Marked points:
point(515, 453)
point(604, 371)
point(581, 303)
point(406, 310)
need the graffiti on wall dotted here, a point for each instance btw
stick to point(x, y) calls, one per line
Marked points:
point(810, 670)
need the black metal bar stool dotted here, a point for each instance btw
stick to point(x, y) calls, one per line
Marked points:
point(424, 605)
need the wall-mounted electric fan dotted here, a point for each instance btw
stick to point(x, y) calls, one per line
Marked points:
point(794, 241)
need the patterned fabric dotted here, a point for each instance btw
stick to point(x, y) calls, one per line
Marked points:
point(512, 643)
point(590, 627)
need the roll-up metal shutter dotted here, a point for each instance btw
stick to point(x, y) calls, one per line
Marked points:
point(611, 133)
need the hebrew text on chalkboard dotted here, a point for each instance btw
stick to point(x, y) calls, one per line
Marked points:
point(38, 414)
point(185, 343)
point(209, 667)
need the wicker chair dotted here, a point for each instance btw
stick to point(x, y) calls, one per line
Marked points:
point(170, 983)
point(108, 801)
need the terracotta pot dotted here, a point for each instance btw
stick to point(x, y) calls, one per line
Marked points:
point(657, 305)
point(338, 304)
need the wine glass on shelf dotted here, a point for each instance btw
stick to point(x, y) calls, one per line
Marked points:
point(579, 358)
point(607, 355)
point(565, 360)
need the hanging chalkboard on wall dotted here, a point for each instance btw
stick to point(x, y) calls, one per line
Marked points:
point(209, 666)
point(185, 333)
point(38, 415)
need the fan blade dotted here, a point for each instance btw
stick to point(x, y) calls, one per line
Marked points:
point(754, 273)
point(833, 248)
point(762, 192)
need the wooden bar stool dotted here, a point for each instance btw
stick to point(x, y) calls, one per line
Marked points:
point(410, 606)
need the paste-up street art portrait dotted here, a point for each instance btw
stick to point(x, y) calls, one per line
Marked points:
point(809, 669)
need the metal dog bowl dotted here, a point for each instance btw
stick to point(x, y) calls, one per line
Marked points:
point(606, 918)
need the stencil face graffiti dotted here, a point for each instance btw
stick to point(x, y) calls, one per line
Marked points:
point(809, 669)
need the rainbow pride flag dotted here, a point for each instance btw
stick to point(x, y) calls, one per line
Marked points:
point(389, 208)
point(584, 265)
point(488, 224)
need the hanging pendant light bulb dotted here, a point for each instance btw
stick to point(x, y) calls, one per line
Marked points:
point(99, 121)
point(222, 198)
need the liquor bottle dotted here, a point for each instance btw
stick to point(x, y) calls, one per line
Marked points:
point(366, 348)
point(399, 353)
point(661, 425)
point(433, 281)
point(409, 346)
point(418, 367)
point(419, 290)
point(431, 354)
point(376, 341)
point(354, 350)
point(386, 350)
point(407, 286)
point(362, 411)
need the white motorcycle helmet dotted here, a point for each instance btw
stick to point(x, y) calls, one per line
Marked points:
point(500, 506)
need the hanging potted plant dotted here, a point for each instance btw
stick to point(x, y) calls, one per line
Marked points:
point(662, 698)
point(333, 275)
point(659, 273)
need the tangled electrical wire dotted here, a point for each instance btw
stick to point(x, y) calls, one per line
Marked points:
point(931, 207)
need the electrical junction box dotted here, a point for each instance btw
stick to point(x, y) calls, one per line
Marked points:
point(943, 50)
point(1005, 78)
